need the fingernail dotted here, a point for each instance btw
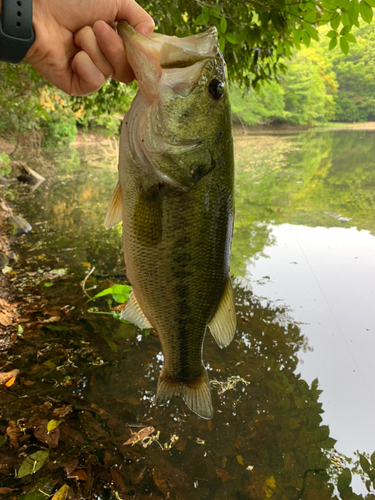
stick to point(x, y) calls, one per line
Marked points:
point(100, 27)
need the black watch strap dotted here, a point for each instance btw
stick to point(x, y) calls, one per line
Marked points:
point(16, 29)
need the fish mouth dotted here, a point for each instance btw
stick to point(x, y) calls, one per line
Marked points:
point(178, 60)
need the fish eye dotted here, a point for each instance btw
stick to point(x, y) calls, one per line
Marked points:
point(216, 88)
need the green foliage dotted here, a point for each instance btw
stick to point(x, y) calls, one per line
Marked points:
point(305, 95)
point(263, 107)
point(58, 131)
point(5, 167)
point(19, 97)
point(306, 98)
point(257, 36)
point(355, 74)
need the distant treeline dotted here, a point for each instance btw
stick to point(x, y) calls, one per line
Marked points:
point(318, 86)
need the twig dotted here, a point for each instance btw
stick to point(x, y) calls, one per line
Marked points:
point(83, 283)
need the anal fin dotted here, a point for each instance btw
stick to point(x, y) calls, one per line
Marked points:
point(223, 324)
point(114, 210)
point(133, 313)
point(196, 394)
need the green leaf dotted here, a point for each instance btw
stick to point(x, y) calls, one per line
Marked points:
point(344, 45)
point(372, 458)
point(223, 25)
point(221, 43)
point(351, 38)
point(345, 30)
point(370, 2)
point(354, 12)
point(312, 33)
point(366, 11)
point(201, 20)
point(345, 19)
point(306, 38)
point(32, 463)
point(332, 34)
point(344, 481)
point(365, 464)
point(215, 11)
point(53, 424)
point(310, 17)
point(332, 43)
point(231, 38)
point(120, 293)
point(47, 284)
point(336, 21)
point(111, 344)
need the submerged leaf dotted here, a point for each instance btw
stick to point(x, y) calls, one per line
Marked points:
point(32, 463)
point(120, 293)
point(62, 493)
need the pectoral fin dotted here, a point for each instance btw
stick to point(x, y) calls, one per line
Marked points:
point(133, 313)
point(114, 210)
point(223, 323)
point(196, 394)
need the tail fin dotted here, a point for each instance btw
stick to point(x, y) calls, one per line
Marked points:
point(196, 394)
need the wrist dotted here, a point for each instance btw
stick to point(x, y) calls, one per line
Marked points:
point(16, 29)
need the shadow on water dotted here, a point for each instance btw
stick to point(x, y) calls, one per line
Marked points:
point(97, 376)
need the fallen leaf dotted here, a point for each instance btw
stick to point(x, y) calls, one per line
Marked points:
point(4, 320)
point(79, 474)
point(62, 493)
point(53, 424)
point(32, 463)
point(117, 479)
point(14, 433)
point(48, 437)
point(138, 436)
point(63, 411)
point(160, 482)
point(223, 475)
point(239, 459)
point(70, 466)
point(4, 491)
point(7, 376)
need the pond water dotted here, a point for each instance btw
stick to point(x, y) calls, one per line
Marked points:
point(293, 394)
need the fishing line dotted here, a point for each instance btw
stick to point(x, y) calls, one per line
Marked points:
point(333, 315)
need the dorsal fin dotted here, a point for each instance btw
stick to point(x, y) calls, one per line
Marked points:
point(133, 313)
point(114, 210)
point(223, 323)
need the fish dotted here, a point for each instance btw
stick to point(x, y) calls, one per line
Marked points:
point(175, 198)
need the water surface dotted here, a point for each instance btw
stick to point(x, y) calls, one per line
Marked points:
point(293, 393)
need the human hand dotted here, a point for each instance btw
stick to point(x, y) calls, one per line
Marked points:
point(76, 48)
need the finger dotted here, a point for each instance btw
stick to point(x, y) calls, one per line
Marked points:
point(132, 12)
point(113, 49)
point(85, 39)
point(87, 77)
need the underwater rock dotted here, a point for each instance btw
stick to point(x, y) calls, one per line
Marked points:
point(19, 224)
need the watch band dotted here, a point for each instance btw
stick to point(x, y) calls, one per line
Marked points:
point(16, 29)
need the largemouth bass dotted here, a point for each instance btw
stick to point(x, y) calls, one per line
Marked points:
point(175, 199)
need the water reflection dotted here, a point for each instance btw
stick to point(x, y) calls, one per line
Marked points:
point(268, 438)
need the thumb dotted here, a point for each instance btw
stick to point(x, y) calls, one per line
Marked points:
point(137, 17)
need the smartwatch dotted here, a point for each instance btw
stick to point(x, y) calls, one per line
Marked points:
point(16, 29)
